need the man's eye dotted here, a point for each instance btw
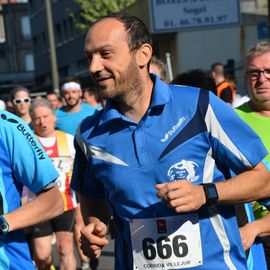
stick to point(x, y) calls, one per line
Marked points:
point(253, 72)
point(267, 71)
point(106, 54)
point(89, 58)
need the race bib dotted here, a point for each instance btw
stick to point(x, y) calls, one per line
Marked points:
point(166, 243)
point(64, 168)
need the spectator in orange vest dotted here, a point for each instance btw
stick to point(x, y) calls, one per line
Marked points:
point(225, 90)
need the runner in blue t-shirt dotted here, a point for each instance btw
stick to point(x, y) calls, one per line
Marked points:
point(74, 111)
point(159, 157)
point(23, 163)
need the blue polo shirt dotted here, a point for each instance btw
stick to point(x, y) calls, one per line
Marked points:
point(186, 133)
point(23, 162)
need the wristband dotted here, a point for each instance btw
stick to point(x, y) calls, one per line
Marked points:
point(4, 226)
point(211, 194)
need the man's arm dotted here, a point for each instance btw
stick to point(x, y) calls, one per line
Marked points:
point(46, 205)
point(96, 215)
point(245, 187)
point(250, 231)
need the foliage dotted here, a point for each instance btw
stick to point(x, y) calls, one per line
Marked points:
point(91, 10)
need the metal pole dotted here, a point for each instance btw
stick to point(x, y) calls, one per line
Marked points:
point(54, 71)
point(169, 66)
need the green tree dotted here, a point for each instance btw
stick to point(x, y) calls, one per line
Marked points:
point(91, 10)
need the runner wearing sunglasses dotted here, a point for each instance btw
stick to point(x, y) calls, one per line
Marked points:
point(21, 101)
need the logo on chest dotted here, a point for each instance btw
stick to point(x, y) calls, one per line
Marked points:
point(173, 129)
point(184, 169)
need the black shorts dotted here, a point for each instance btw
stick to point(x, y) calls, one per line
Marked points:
point(62, 223)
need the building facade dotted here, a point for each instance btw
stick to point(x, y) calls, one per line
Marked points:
point(16, 47)
point(69, 42)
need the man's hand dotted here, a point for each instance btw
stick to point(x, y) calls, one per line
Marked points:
point(248, 234)
point(182, 195)
point(93, 239)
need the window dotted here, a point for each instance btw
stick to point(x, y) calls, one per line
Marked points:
point(29, 62)
point(26, 28)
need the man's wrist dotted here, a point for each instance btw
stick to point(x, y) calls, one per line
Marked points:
point(211, 194)
point(4, 226)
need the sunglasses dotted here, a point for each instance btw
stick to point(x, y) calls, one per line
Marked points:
point(21, 100)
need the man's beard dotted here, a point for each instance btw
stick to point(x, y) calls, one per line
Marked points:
point(127, 87)
point(72, 105)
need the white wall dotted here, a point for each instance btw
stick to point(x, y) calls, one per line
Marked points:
point(206, 47)
point(201, 48)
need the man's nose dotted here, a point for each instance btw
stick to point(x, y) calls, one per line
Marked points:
point(41, 121)
point(95, 65)
point(262, 77)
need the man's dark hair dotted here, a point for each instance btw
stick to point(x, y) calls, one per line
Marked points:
point(138, 33)
point(53, 93)
point(92, 91)
point(197, 78)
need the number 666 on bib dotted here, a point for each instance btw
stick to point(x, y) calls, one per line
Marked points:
point(166, 243)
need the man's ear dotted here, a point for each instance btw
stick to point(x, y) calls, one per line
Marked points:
point(144, 55)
